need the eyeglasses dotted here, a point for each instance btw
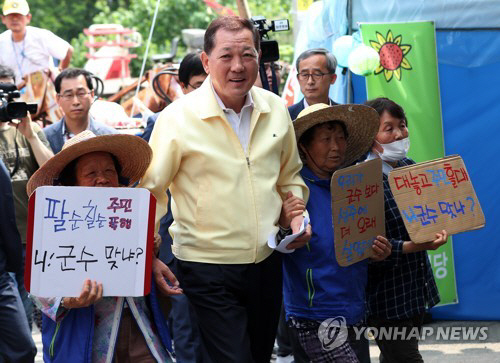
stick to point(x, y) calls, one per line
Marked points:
point(69, 96)
point(277, 67)
point(316, 76)
point(196, 85)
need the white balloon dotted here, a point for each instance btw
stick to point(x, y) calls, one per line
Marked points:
point(342, 47)
point(363, 60)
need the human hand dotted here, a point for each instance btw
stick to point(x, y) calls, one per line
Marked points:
point(441, 239)
point(156, 243)
point(91, 293)
point(160, 272)
point(25, 127)
point(381, 249)
point(293, 206)
point(303, 239)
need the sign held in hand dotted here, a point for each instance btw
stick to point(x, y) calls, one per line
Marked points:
point(78, 233)
point(436, 195)
point(357, 210)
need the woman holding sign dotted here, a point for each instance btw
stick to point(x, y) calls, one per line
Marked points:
point(93, 328)
point(317, 290)
point(401, 288)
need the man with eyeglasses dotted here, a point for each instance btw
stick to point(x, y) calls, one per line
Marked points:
point(316, 73)
point(23, 148)
point(75, 95)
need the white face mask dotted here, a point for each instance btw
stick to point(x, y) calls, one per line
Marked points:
point(396, 150)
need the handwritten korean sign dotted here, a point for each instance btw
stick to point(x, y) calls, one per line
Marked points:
point(436, 195)
point(104, 234)
point(357, 210)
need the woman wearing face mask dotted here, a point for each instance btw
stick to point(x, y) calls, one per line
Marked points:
point(402, 287)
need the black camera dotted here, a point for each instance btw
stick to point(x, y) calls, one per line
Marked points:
point(269, 48)
point(9, 109)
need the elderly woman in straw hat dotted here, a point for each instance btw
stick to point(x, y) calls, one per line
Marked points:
point(92, 328)
point(315, 287)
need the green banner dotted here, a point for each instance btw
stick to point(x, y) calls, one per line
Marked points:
point(408, 74)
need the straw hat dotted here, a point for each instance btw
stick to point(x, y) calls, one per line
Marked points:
point(132, 152)
point(362, 124)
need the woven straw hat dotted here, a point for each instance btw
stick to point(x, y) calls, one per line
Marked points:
point(362, 124)
point(132, 152)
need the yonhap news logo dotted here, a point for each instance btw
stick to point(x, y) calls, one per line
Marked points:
point(332, 333)
point(442, 333)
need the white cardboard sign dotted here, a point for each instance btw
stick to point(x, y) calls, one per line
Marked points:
point(78, 233)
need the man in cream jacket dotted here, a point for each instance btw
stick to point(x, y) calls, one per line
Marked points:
point(228, 154)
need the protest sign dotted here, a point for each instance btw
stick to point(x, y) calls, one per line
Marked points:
point(357, 210)
point(436, 195)
point(78, 233)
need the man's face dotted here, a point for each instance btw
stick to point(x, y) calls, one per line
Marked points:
point(315, 90)
point(75, 98)
point(194, 83)
point(269, 73)
point(16, 22)
point(232, 65)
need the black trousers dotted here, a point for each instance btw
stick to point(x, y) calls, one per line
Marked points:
point(400, 350)
point(16, 344)
point(237, 306)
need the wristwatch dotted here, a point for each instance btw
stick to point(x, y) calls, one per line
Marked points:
point(61, 304)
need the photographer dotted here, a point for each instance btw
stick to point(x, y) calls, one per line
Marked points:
point(23, 148)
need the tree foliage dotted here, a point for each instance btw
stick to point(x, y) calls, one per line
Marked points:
point(68, 18)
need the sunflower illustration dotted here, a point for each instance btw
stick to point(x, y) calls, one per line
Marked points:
point(392, 55)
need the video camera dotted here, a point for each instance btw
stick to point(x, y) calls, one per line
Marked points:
point(269, 48)
point(9, 109)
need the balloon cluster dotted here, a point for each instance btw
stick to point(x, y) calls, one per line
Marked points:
point(359, 58)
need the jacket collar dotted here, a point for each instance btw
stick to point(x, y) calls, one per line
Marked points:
point(209, 107)
point(92, 127)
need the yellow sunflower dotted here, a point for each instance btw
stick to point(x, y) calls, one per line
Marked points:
point(392, 55)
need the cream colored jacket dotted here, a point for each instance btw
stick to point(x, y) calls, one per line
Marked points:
point(225, 203)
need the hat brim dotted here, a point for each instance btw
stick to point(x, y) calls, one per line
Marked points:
point(16, 11)
point(133, 153)
point(361, 122)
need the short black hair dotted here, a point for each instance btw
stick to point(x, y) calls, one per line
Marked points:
point(190, 66)
point(382, 104)
point(229, 23)
point(7, 72)
point(72, 73)
point(67, 177)
point(307, 136)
